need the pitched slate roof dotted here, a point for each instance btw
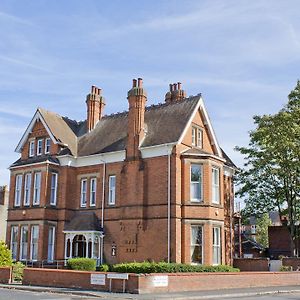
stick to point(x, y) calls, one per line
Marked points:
point(164, 124)
point(35, 160)
point(83, 221)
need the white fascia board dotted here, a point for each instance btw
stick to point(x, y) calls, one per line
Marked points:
point(37, 116)
point(206, 155)
point(90, 160)
point(229, 172)
point(34, 164)
point(157, 150)
point(201, 106)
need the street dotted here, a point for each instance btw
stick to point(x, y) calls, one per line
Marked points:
point(12, 294)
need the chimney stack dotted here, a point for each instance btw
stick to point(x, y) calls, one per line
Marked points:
point(95, 107)
point(175, 93)
point(137, 98)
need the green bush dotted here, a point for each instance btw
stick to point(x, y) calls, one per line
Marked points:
point(81, 263)
point(163, 267)
point(17, 273)
point(286, 268)
point(5, 255)
point(103, 268)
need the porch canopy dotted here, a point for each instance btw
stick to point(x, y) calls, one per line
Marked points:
point(83, 236)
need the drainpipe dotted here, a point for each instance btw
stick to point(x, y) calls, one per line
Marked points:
point(102, 210)
point(169, 203)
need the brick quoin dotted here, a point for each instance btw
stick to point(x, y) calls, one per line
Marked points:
point(137, 224)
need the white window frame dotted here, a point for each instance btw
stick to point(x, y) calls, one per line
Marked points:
point(53, 189)
point(50, 254)
point(18, 189)
point(27, 189)
point(37, 188)
point(112, 190)
point(195, 245)
point(22, 255)
point(199, 138)
point(196, 182)
point(215, 186)
point(83, 193)
point(194, 134)
point(31, 148)
point(39, 147)
point(34, 245)
point(47, 146)
point(217, 246)
point(14, 241)
point(93, 191)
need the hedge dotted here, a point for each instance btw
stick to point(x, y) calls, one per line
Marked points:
point(163, 267)
point(81, 263)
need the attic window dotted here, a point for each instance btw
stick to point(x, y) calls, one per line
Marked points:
point(39, 147)
point(31, 148)
point(47, 145)
point(197, 137)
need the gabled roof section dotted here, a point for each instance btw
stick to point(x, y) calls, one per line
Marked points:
point(57, 127)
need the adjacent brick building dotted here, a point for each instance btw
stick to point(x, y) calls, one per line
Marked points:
point(3, 211)
point(148, 184)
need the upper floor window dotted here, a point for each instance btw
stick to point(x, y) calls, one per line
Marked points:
point(39, 148)
point(216, 245)
point(196, 183)
point(47, 145)
point(18, 188)
point(53, 192)
point(83, 193)
point(215, 185)
point(14, 241)
point(27, 189)
point(197, 136)
point(31, 148)
point(93, 186)
point(196, 244)
point(37, 188)
point(112, 190)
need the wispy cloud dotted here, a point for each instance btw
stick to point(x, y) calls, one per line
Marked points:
point(13, 19)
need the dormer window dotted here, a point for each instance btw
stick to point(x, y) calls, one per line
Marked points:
point(39, 147)
point(197, 137)
point(47, 145)
point(31, 148)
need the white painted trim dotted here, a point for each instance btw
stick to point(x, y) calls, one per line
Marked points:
point(228, 171)
point(37, 116)
point(157, 150)
point(207, 122)
point(96, 159)
point(201, 221)
point(204, 155)
point(33, 164)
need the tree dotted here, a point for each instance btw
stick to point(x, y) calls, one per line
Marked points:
point(5, 255)
point(271, 174)
point(262, 224)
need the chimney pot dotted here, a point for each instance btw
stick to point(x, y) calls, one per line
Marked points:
point(134, 83)
point(179, 85)
point(174, 86)
point(140, 82)
point(170, 85)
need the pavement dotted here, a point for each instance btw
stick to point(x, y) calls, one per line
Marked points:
point(215, 294)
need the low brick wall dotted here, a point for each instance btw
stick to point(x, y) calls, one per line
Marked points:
point(5, 274)
point(155, 283)
point(251, 264)
point(292, 261)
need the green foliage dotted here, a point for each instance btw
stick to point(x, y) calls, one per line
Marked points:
point(286, 268)
point(271, 174)
point(163, 267)
point(5, 255)
point(263, 222)
point(17, 273)
point(103, 268)
point(81, 263)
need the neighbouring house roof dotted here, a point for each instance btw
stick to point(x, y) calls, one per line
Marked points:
point(35, 160)
point(83, 221)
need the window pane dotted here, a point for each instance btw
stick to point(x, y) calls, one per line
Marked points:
point(195, 173)
point(14, 242)
point(196, 244)
point(51, 239)
point(24, 243)
point(53, 194)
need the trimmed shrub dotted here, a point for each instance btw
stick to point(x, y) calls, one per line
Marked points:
point(286, 268)
point(17, 271)
point(103, 268)
point(81, 263)
point(5, 255)
point(163, 267)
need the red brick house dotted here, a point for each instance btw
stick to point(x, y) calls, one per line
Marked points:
point(151, 183)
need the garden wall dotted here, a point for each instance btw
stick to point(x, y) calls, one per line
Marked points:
point(292, 261)
point(251, 264)
point(153, 283)
point(5, 274)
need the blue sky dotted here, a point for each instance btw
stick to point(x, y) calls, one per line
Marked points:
point(243, 56)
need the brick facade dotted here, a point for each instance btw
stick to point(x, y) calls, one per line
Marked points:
point(136, 226)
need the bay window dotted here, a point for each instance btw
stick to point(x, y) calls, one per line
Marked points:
point(196, 183)
point(216, 245)
point(215, 185)
point(34, 242)
point(196, 244)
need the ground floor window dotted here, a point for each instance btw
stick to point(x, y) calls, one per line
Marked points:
point(14, 241)
point(24, 243)
point(34, 242)
point(51, 241)
point(196, 244)
point(216, 245)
